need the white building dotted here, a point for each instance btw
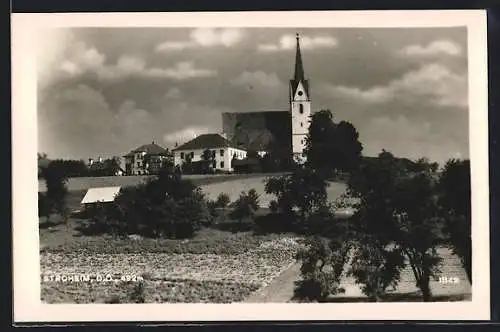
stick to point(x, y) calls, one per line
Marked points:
point(222, 151)
point(146, 159)
point(300, 107)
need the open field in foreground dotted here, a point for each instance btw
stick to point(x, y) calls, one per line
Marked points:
point(216, 265)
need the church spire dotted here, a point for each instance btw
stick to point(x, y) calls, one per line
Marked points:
point(299, 69)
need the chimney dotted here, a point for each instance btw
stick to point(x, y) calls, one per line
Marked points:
point(91, 161)
point(100, 159)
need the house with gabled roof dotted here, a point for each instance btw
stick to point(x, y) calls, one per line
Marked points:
point(223, 152)
point(146, 159)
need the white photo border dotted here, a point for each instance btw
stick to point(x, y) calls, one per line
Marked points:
point(26, 269)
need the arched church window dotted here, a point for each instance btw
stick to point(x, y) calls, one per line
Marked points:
point(301, 108)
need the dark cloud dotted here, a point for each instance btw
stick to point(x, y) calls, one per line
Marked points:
point(106, 91)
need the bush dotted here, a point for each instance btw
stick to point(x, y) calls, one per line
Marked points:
point(273, 223)
point(322, 267)
point(54, 200)
point(455, 204)
point(44, 205)
point(246, 206)
point(222, 200)
point(166, 206)
point(304, 190)
point(101, 220)
point(273, 206)
point(376, 267)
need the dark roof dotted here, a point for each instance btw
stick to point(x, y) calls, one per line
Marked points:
point(299, 68)
point(205, 141)
point(299, 75)
point(152, 148)
point(259, 131)
point(294, 84)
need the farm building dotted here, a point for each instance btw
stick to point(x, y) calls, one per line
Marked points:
point(146, 159)
point(100, 195)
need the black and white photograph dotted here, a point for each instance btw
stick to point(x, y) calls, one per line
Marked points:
point(225, 161)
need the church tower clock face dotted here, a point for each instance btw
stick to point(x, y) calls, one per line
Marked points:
point(300, 106)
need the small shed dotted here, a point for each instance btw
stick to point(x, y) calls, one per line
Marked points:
point(102, 194)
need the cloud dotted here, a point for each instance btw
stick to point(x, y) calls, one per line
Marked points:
point(257, 78)
point(51, 45)
point(415, 139)
point(83, 59)
point(173, 93)
point(131, 66)
point(204, 37)
point(75, 121)
point(288, 42)
point(434, 83)
point(447, 47)
point(185, 134)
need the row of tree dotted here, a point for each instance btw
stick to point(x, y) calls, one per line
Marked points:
point(79, 168)
point(403, 216)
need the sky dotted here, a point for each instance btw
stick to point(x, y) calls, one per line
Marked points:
point(106, 91)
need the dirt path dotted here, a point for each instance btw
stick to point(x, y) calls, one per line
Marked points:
point(280, 290)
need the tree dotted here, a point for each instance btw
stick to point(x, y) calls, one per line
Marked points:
point(376, 266)
point(323, 263)
point(54, 200)
point(332, 147)
point(246, 205)
point(398, 209)
point(222, 200)
point(303, 190)
point(455, 202)
point(164, 206)
point(348, 147)
point(69, 168)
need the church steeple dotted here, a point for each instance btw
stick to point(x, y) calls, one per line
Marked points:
point(299, 79)
point(299, 68)
point(300, 107)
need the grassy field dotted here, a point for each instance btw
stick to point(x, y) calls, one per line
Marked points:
point(84, 183)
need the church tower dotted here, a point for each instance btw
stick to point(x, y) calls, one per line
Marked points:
point(300, 107)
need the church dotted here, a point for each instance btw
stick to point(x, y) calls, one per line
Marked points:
point(282, 131)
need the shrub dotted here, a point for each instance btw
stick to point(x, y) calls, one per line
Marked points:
point(54, 200)
point(101, 219)
point(455, 205)
point(376, 267)
point(273, 206)
point(222, 200)
point(303, 190)
point(246, 206)
point(44, 205)
point(322, 267)
point(166, 206)
point(137, 294)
